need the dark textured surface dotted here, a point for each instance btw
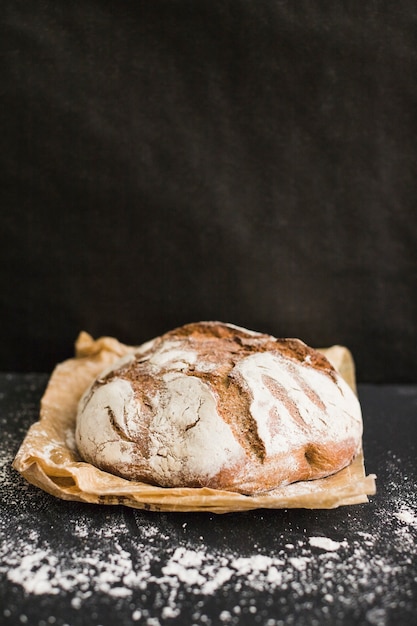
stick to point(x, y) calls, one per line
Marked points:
point(168, 162)
point(82, 565)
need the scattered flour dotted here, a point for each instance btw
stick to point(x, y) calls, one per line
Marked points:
point(340, 571)
point(368, 575)
point(325, 543)
point(406, 515)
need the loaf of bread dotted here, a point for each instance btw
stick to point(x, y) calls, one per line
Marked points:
point(216, 405)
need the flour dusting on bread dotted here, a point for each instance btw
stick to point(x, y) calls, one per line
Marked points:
point(216, 405)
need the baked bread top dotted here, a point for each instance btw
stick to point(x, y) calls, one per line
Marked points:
point(212, 404)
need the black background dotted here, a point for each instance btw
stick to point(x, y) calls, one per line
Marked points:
point(166, 162)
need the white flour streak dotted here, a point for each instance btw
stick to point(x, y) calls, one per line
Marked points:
point(325, 543)
point(406, 515)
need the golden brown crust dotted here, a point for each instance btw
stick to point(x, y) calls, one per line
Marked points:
point(219, 349)
point(247, 342)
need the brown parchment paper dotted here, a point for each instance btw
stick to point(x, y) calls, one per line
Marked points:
point(48, 457)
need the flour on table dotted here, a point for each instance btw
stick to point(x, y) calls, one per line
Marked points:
point(339, 565)
point(325, 543)
point(406, 515)
point(365, 573)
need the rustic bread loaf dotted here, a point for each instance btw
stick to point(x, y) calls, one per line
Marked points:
point(215, 405)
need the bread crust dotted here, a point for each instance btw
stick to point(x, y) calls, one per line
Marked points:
point(215, 405)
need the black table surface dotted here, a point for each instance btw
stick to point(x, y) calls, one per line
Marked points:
point(74, 564)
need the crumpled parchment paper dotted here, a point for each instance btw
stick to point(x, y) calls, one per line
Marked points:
point(48, 457)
